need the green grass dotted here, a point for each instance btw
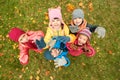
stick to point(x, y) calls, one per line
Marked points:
point(30, 15)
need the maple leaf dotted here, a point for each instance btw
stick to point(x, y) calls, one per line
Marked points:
point(70, 7)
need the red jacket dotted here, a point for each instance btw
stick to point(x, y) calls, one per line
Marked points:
point(76, 50)
point(24, 48)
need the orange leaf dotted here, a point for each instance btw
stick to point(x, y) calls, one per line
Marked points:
point(47, 73)
point(90, 6)
point(70, 7)
point(1, 54)
point(110, 52)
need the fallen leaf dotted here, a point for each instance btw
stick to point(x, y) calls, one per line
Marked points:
point(90, 6)
point(70, 7)
point(31, 77)
point(46, 16)
point(83, 64)
point(51, 77)
point(110, 52)
point(37, 78)
point(47, 73)
point(1, 54)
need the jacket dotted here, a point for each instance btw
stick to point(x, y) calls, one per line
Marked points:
point(25, 47)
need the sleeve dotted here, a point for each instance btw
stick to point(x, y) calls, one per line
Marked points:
point(48, 35)
point(91, 27)
point(91, 51)
point(68, 62)
point(24, 56)
point(66, 30)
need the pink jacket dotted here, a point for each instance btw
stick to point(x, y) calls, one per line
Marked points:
point(24, 48)
point(76, 50)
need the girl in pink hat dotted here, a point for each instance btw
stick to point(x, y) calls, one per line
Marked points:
point(56, 25)
point(27, 41)
point(81, 44)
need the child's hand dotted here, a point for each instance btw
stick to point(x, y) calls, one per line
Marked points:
point(100, 31)
point(85, 49)
point(60, 62)
point(73, 46)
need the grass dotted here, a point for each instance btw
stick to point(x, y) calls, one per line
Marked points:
point(31, 15)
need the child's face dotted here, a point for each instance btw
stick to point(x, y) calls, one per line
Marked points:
point(56, 24)
point(54, 52)
point(23, 38)
point(82, 39)
point(77, 21)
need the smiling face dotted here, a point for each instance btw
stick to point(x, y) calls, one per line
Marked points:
point(56, 23)
point(82, 39)
point(77, 21)
point(23, 38)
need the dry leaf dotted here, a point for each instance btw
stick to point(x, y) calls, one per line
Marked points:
point(51, 78)
point(70, 7)
point(83, 64)
point(90, 6)
point(46, 16)
point(31, 77)
point(37, 78)
point(110, 52)
point(1, 54)
point(47, 73)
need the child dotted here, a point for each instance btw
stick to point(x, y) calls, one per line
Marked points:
point(81, 44)
point(56, 25)
point(78, 23)
point(58, 53)
point(26, 41)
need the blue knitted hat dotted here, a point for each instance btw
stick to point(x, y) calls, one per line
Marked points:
point(78, 13)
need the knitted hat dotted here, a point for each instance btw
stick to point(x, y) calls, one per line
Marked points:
point(54, 13)
point(78, 13)
point(85, 32)
point(15, 33)
point(47, 55)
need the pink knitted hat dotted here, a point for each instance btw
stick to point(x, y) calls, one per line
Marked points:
point(15, 33)
point(54, 13)
point(86, 32)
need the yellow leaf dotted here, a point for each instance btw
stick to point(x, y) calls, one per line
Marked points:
point(70, 7)
point(31, 77)
point(37, 78)
point(51, 77)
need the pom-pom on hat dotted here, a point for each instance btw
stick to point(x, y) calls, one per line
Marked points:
point(54, 13)
point(78, 13)
point(15, 33)
point(86, 32)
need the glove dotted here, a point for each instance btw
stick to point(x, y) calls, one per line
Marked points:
point(74, 29)
point(40, 44)
point(100, 31)
point(51, 44)
point(63, 39)
point(60, 62)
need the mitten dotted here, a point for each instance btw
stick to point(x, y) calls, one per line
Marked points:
point(74, 29)
point(100, 31)
point(40, 43)
point(63, 39)
point(51, 44)
point(60, 62)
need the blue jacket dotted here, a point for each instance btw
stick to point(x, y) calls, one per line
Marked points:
point(63, 52)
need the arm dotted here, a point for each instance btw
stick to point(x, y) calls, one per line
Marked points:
point(97, 29)
point(24, 56)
